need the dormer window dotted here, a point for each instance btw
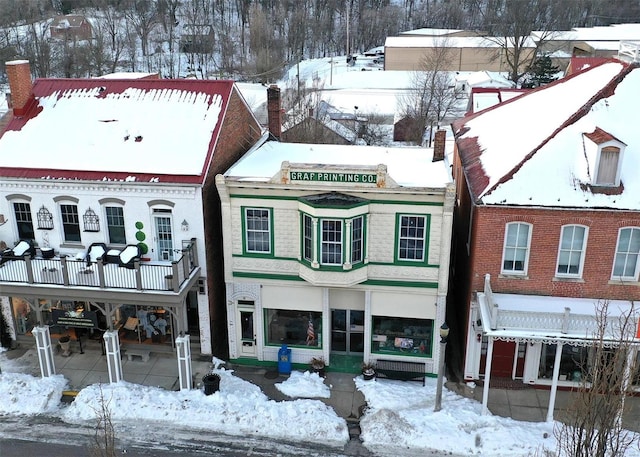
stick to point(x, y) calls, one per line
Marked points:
point(604, 153)
point(607, 173)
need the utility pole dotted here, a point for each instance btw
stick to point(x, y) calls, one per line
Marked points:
point(348, 47)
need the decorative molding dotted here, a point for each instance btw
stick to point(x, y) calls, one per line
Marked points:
point(11, 197)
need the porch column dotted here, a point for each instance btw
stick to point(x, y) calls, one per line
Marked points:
point(629, 363)
point(45, 354)
point(554, 381)
point(487, 376)
point(183, 347)
point(114, 361)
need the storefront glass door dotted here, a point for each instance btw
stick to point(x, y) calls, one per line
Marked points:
point(246, 330)
point(347, 331)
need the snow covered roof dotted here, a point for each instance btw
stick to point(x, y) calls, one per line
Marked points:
point(551, 319)
point(447, 41)
point(432, 32)
point(613, 32)
point(530, 150)
point(116, 129)
point(408, 167)
point(484, 97)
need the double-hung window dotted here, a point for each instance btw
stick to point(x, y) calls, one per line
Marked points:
point(24, 221)
point(115, 224)
point(307, 238)
point(70, 222)
point(625, 264)
point(573, 242)
point(515, 254)
point(331, 247)
point(357, 239)
point(412, 238)
point(257, 230)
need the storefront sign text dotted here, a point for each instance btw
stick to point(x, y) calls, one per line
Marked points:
point(359, 178)
point(84, 319)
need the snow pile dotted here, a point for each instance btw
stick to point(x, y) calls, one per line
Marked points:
point(23, 394)
point(238, 408)
point(304, 385)
point(400, 415)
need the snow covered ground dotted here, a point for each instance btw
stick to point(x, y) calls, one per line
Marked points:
point(399, 417)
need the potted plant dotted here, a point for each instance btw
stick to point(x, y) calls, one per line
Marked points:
point(368, 370)
point(318, 366)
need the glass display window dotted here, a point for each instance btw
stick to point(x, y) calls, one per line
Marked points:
point(294, 328)
point(402, 336)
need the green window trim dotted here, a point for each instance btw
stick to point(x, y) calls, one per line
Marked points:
point(245, 231)
point(314, 243)
point(407, 337)
point(407, 218)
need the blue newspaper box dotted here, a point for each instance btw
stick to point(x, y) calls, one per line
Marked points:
point(284, 360)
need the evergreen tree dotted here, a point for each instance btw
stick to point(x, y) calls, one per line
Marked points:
point(5, 335)
point(542, 72)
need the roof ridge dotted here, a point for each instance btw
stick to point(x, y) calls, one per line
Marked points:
point(605, 91)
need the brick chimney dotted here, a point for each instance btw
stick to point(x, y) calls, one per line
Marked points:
point(274, 111)
point(439, 145)
point(19, 75)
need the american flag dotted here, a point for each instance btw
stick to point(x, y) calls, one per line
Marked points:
point(311, 334)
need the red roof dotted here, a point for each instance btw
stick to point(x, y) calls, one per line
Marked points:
point(470, 150)
point(157, 98)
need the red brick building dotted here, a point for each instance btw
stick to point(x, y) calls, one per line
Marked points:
point(70, 27)
point(547, 226)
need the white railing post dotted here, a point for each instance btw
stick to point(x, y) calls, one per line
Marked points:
point(45, 352)
point(183, 348)
point(112, 350)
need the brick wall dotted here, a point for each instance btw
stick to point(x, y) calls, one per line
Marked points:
point(487, 246)
point(20, 85)
point(238, 133)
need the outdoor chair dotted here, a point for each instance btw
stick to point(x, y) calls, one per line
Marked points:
point(129, 255)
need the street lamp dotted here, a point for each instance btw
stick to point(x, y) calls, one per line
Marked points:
point(444, 333)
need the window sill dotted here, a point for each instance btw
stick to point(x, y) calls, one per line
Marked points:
point(623, 282)
point(567, 279)
point(512, 276)
point(71, 244)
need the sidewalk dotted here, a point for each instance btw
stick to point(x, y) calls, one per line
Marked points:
point(83, 369)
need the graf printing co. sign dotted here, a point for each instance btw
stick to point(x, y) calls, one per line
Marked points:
point(334, 176)
point(84, 319)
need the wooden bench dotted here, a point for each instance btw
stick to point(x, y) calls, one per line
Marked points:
point(142, 353)
point(400, 370)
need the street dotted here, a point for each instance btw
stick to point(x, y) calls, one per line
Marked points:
point(48, 436)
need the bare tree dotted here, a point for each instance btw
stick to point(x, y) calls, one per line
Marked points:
point(509, 24)
point(265, 47)
point(593, 424)
point(432, 95)
point(104, 439)
point(141, 14)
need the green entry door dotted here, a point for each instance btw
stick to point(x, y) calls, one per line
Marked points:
point(347, 331)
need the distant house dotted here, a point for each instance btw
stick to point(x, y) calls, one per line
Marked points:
point(109, 184)
point(197, 39)
point(70, 27)
point(596, 42)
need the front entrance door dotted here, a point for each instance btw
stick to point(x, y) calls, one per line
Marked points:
point(504, 355)
point(246, 334)
point(164, 236)
point(347, 331)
